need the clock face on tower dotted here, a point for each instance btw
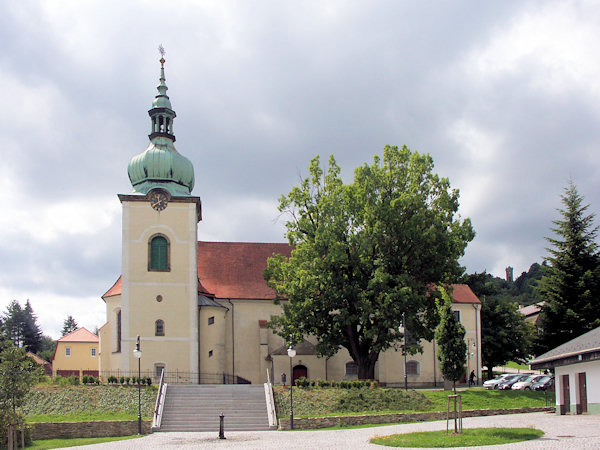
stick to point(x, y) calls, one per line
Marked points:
point(158, 200)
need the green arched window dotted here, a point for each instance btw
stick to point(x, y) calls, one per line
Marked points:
point(159, 253)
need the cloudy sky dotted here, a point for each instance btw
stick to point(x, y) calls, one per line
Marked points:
point(505, 96)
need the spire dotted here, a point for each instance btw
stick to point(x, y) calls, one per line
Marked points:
point(162, 114)
point(161, 165)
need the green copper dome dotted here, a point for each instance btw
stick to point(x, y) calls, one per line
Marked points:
point(161, 165)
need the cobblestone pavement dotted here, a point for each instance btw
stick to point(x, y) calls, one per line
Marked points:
point(561, 432)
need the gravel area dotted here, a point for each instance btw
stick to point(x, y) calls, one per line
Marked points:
point(561, 432)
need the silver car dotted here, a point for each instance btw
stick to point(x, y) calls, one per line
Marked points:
point(493, 383)
point(525, 385)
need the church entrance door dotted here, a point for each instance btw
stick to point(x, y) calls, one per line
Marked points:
point(299, 372)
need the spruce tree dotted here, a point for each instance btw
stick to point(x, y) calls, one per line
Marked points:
point(450, 336)
point(570, 286)
point(14, 323)
point(69, 325)
point(32, 334)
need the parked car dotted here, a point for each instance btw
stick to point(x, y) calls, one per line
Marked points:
point(525, 385)
point(509, 381)
point(543, 384)
point(493, 383)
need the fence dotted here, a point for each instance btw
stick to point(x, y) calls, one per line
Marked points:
point(176, 377)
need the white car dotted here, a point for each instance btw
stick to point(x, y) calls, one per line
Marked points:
point(525, 385)
point(493, 383)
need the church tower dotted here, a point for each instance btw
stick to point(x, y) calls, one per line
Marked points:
point(159, 284)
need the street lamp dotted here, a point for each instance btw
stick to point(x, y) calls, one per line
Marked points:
point(137, 352)
point(291, 351)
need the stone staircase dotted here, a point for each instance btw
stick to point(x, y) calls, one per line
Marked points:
point(197, 407)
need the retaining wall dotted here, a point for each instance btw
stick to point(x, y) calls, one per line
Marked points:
point(109, 428)
point(334, 421)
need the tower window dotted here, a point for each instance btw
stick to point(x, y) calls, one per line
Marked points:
point(158, 254)
point(211, 320)
point(159, 328)
point(118, 346)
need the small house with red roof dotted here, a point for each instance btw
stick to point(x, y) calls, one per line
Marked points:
point(76, 354)
point(201, 309)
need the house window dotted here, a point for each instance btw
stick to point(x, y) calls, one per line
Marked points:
point(67, 351)
point(158, 253)
point(211, 320)
point(159, 328)
point(93, 352)
point(412, 368)
point(457, 315)
point(351, 369)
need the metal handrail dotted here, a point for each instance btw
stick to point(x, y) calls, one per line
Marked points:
point(272, 414)
point(158, 406)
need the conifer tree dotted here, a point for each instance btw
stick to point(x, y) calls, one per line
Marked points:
point(32, 334)
point(570, 286)
point(69, 325)
point(14, 323)
point(450, 336)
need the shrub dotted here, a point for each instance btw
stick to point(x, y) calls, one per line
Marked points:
point(302, 382)
point(323, 383)
point(122, 380)
point(149, 381)
point(73, 380)
point(85, 379)
point(112, 380)
point(127, 380)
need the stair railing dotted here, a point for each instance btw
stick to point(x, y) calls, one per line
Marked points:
point(270, 402)
point(160, 401)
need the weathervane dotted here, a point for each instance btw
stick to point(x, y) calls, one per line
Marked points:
point(162, 52)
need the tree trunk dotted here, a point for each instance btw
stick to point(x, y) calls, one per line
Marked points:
point(490, 373)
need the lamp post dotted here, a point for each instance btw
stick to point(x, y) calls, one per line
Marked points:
point(138, 354)
point(291, 351)
point(404, 351)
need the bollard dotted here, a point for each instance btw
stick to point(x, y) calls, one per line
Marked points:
point(222, 427)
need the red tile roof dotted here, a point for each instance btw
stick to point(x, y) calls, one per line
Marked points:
point(80, 335)
point(114, 290)
point(234, 269)
point(461, 293)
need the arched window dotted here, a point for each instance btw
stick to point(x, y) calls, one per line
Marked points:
point(118, 332)
point(351, 370)
point(158, 253)
point(412, 368)
point(159, 328)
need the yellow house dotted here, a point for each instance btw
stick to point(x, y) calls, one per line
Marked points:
point(76, 353)
point(201, 308)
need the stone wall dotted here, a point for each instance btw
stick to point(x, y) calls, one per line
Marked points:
point(334, 421)
point(58, 430)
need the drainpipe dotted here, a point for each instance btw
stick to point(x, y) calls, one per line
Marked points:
point(232, 340)
point(477, 342)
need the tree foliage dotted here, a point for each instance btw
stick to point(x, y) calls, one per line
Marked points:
point(505, 335)
point(17, 374)
point(571, 282)
point(450, 337)
point(366, 253)
point(69, 325)
point(20, 326)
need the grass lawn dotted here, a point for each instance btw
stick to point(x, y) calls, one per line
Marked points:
point(62, 443)
point(339, 402)
point(51, 403)
point(468, 438)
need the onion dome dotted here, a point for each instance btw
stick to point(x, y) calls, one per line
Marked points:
point(161, 165)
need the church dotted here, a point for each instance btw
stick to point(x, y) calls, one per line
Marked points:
point(201, 309)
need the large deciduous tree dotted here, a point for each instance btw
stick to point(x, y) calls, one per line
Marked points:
point(366, 253)
point(450, 337)
point(505, 335)
point(570, 286)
